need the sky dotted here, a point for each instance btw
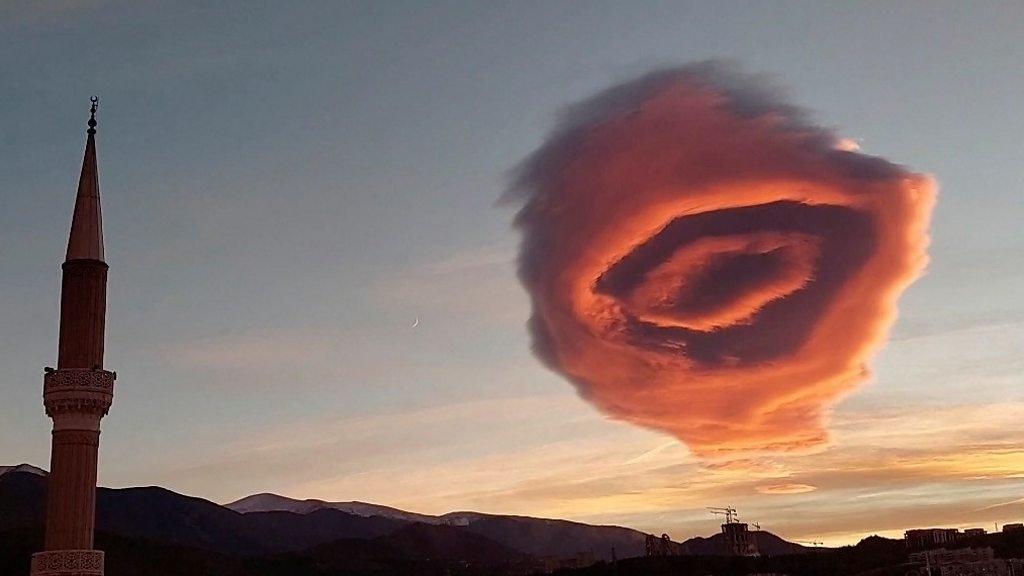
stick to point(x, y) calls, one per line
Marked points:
point(287, 189)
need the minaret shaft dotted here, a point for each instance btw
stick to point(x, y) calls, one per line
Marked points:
point(83, 307)
point(71, 501)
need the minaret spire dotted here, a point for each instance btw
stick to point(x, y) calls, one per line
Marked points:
point(86, 240)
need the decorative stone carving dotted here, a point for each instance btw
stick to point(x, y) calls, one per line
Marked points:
point(99, 380)
point(68, 563)
point(58, 406)
point(78, 391)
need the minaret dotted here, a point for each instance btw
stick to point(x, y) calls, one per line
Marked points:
point(79, 392)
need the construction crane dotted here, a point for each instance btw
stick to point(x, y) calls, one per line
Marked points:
point(729, 513)
point(814, 543)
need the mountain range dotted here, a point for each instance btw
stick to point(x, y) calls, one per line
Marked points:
point(255, 534)
point(260, 532)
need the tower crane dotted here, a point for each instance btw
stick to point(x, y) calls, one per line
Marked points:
point(728, 511)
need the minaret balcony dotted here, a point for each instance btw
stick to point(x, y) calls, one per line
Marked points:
point(78, 391)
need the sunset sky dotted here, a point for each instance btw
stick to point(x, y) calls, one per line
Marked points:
point(287, 190)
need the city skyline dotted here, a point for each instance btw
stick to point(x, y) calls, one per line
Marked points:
point(288, 193)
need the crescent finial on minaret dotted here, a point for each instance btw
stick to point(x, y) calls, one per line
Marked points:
point(92, 113)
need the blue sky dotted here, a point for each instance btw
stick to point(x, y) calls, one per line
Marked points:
point(286, 188)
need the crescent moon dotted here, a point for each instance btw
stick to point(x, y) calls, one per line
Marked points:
point(416, 322)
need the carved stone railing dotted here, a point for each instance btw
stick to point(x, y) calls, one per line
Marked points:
point(68, 563)
point(79, 378)
point(80, 391)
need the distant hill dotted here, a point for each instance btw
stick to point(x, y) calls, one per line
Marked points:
point(273, 503)
point(535, 536)
point(873, 556)
point(22, 500)
point(768, 544)
point(414, 549)
point(165, 516)
point(546, 537)
point(28, 468)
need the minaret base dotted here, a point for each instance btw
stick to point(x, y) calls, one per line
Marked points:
point(68, 563)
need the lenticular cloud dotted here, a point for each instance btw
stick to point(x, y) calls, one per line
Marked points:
point(703, 261)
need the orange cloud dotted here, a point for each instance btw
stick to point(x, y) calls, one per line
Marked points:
point(704, 262)
point(786, 489)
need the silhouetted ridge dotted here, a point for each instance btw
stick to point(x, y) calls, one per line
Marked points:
point(163, 517)
point(767, 543)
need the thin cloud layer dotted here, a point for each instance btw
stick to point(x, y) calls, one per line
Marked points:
point(786, 489)
point(703, 261)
